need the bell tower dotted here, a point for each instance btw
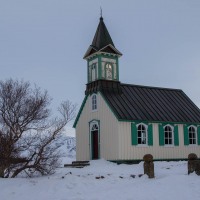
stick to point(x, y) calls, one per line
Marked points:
point(102, 62)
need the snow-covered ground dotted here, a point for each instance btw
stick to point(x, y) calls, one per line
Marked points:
point(106, 180)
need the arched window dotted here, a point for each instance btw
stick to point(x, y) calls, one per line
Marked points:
point(109, 71)
point(192, 135)
point(94, 127)
point(168, 135)
point(94, 72)
point(94, 102)
point(142, 134)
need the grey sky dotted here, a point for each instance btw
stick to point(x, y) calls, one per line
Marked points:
point(43, 41)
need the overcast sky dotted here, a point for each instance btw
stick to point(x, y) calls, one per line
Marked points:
point(43, 41)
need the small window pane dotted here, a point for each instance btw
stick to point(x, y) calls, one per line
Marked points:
point(94, 102)
point(142, 134)
point(95, 127)
point(109, 71)
point(192, 135)
point(168, 135)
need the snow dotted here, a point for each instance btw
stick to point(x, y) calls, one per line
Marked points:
point(106, 180)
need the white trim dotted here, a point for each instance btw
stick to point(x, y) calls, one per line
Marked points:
point(114, 49)
point(108, 60)
point(100, 53)
point(172, 127)
point(193, 127)
point(142, 145)
point(146, 126)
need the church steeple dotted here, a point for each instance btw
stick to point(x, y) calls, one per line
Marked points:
point(102, 37)
point(102, 41)
point(102, 58)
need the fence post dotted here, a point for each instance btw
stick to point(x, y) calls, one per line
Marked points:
point(193, 164)
point(149, 165)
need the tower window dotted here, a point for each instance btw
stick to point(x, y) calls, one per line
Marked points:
point(94, 102)
point(109, 70)
point(94, 72)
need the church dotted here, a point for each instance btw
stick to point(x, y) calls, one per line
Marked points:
point(123, 122)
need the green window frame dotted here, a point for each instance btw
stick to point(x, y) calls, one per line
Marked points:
point(176, 136)
point(161, 135)
point(150, 135)
point(198, 134)
point(188, 137)
point(168, 135)
point(133, 134)
point(141, 132)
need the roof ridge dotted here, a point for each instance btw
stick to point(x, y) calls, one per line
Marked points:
point(153, 87)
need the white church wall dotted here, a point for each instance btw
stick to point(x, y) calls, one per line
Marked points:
point(127, 151)
point(108, 131)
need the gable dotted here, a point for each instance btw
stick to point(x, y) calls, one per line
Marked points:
point(99, 107)
point(89, 52)
point(143, 103)
point(110, 49)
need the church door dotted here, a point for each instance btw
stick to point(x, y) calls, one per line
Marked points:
point(95, 141)
point(95, 146)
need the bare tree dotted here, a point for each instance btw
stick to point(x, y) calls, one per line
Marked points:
point(29, 138)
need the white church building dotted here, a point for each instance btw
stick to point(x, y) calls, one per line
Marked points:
point(123, 122)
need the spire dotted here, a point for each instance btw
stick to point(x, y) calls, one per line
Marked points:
point(102, 41)
point(102, 37)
